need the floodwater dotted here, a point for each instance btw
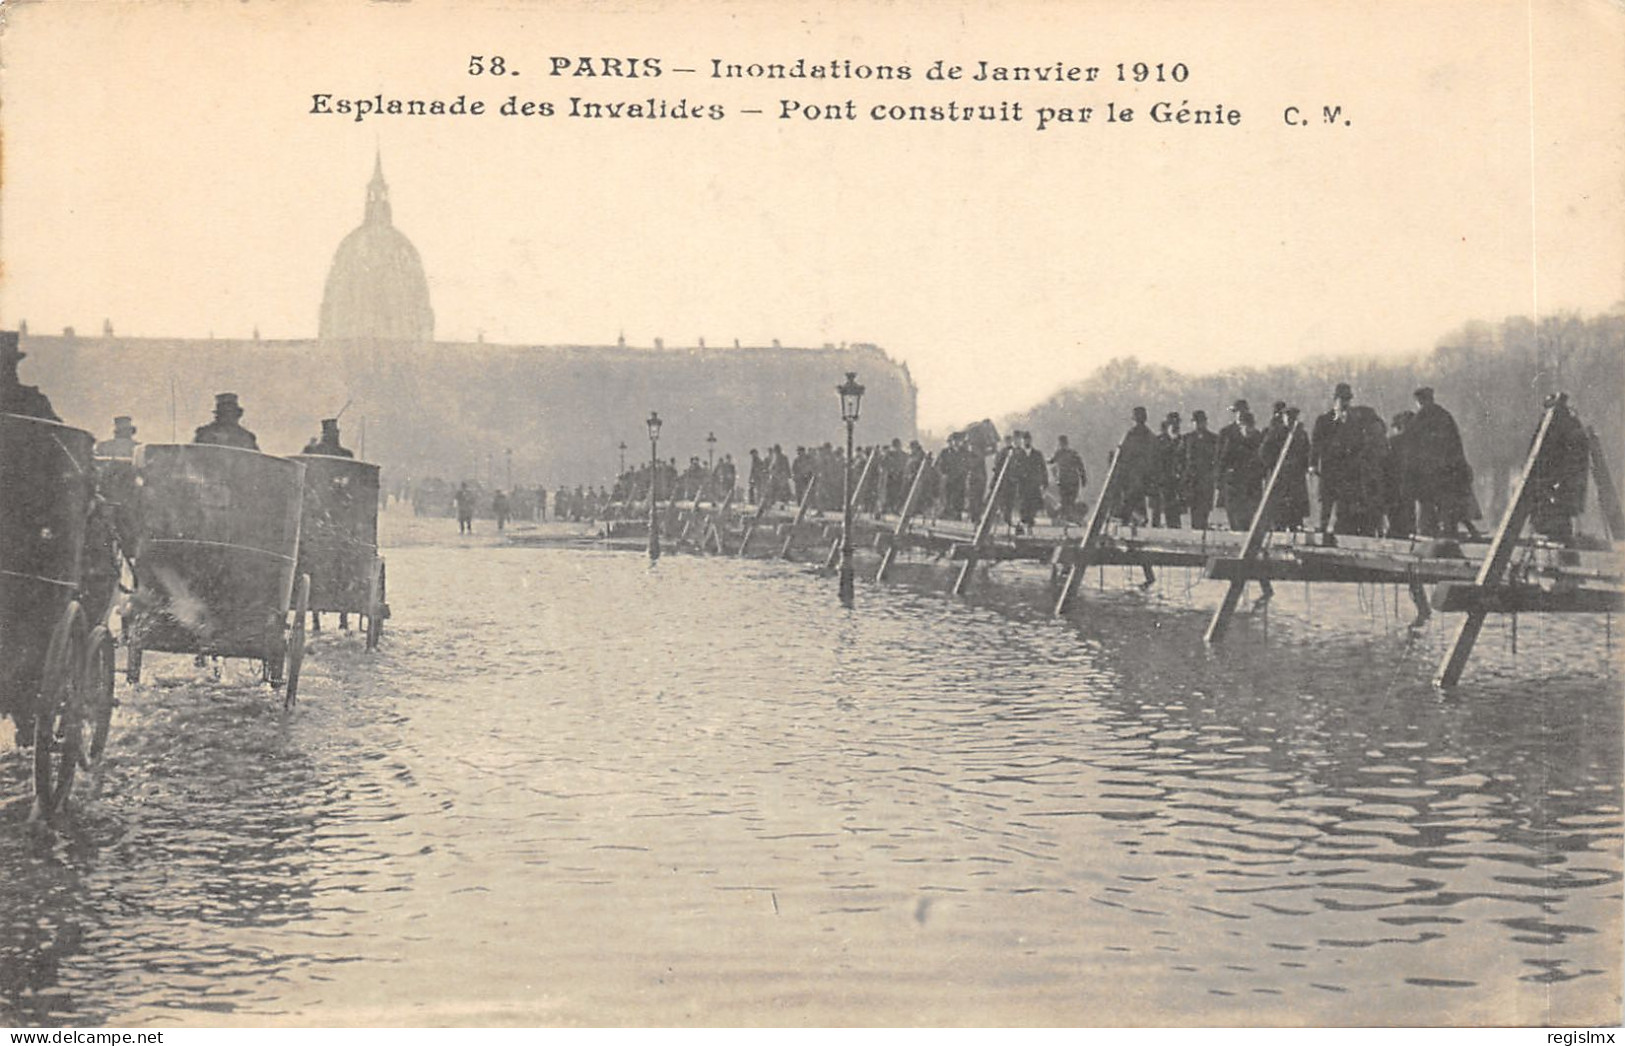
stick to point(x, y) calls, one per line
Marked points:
point(574, 790)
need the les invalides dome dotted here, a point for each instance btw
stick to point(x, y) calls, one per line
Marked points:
point(376, 290)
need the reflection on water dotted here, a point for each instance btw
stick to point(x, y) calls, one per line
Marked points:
point(573, 790)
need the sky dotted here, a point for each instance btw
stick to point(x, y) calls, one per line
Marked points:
point(162, 169)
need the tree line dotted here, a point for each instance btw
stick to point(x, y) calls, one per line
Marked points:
point(1492, 377)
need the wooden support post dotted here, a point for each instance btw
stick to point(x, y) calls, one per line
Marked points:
point(1256, 533)
point(1090, 537)
point(903, 520)
point(750, 528)
point(983, 525)
point(1607, 494)
point(710, 526)
point(1419, 598)
point(1495, 563)
point(801, 513)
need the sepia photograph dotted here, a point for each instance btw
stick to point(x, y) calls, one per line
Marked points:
point(848, 514)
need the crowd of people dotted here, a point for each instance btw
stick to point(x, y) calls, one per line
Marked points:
point(1404, 477)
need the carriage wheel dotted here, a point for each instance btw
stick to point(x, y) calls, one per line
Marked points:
point(375, 605)
point(99, 671)
point(59, 714)
point(296, 640)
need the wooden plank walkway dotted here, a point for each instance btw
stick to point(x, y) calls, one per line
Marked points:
point(1508, 574)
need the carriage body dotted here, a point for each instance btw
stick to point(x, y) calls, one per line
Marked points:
point(47, 477)
point(217, 539)
point(338, 532)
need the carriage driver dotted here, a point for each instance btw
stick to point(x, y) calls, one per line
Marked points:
point(123, 443)
point(328, 443)
point(224, 429)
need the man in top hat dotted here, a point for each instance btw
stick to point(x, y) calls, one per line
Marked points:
point(15, 397)
point(123, 443)
point(224, 430)
point(328, 443)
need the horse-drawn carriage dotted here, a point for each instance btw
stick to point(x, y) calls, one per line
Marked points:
point(338, 540)
point(214, 555)
point(56, 654)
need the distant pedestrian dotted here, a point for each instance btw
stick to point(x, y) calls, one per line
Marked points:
point(1070, 477)
point(464, 500)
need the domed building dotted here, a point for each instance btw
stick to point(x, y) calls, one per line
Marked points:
point(376, 290)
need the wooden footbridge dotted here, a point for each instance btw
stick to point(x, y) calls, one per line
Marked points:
point(1503, 574)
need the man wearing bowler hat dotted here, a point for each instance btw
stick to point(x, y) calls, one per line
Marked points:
point(224, 430)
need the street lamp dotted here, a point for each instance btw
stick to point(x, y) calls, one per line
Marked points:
point(710, 460)
point(654, 480)
point(851, 398)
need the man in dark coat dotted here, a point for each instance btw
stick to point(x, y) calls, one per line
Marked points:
point(1167, 481)
point(1034, 479)
point(778, 476)
point(951, 464)
point(1292, 497)
point(224, 430)
point(15, 397)
point(801, 472)
point(1560, 475)
point(328, 443)
point(1347, 449)
point(1006, 462)
point(975, 461)
point(757, 477)
point(1226, 434)
point(1241, 472)
point(1444, 480)
point(1070, 477)
point(1400, 491)
point(1201, 470)
point(1136, 464)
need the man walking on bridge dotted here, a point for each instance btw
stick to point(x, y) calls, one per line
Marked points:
point(1070, 477)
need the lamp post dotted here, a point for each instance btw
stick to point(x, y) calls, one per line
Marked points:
point(654, 485)
point(851, 398)
point(710, 462)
